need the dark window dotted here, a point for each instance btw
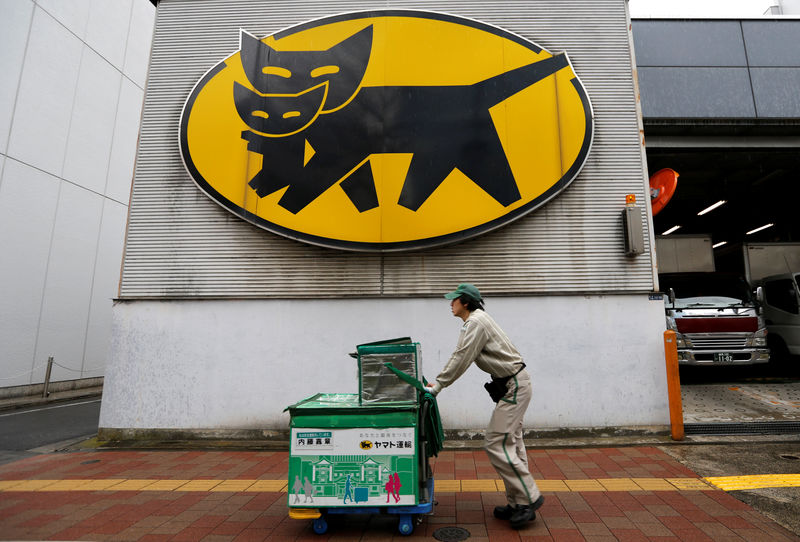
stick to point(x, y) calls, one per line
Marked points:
point(781, 295)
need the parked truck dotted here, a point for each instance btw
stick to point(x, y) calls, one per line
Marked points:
point(715, 315)
point(775, 267)
point(764, 259)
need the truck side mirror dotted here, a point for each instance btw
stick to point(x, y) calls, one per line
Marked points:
point(760, 295)
point(671, 297)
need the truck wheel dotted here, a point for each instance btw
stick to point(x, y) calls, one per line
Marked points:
point(778, 352)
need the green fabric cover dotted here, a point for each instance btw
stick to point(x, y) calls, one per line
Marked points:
point(433, 422)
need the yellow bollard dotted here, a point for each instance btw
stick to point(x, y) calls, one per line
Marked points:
point(673, 385)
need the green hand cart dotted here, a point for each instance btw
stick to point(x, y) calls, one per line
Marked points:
point(366, 453)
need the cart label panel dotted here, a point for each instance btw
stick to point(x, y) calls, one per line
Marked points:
point(353, 467)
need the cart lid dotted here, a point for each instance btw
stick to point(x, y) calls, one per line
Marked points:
point(399, 340)
point(344, 403)
point(375, 346)
point(341, 410)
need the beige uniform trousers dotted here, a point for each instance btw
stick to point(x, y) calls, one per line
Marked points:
point(504, 442)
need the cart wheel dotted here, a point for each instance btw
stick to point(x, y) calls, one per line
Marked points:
point(406, 525)
point(320, 525)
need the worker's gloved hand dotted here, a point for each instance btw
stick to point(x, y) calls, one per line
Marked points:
point(429, 389)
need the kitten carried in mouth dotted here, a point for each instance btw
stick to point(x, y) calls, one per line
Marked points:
point(315, 99)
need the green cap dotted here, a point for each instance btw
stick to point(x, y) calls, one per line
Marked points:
point(466, 289)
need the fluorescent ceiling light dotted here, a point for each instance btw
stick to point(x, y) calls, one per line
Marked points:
point(720, 244)
point(764, 227)
point(673, 229)
point(712, 207)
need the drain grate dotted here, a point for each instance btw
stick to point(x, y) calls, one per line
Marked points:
point(90, 462)
point(451, 534)
point(753, 428)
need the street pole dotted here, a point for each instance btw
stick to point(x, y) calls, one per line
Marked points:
point(45, 393)
point(673, 385)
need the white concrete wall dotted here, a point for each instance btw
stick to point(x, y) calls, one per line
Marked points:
point(73, 74)
point(595, 361)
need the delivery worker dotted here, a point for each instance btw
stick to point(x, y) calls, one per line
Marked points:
point(483, 342)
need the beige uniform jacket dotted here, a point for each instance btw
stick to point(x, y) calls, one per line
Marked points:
point(483, 342)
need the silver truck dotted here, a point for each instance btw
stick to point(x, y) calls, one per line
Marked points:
point(715, 315)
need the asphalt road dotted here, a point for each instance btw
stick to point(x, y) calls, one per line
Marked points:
point(782, 504)
point(29, 429)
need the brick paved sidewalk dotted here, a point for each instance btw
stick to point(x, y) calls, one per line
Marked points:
point(636, 493)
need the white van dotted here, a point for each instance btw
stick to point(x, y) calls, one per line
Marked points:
point(782, 314)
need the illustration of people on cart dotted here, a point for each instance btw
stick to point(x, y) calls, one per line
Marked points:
point(309, 490)
point(296, 488)
point(347, 492)
point(393, 486)
point(389, 487)
point(397, 486)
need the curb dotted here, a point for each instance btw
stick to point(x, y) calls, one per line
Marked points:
point(57, 397)
point(449, 445)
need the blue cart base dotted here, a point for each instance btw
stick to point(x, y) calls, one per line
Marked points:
point(406, 513)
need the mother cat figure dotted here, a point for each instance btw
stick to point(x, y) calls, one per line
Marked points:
point(315, 100)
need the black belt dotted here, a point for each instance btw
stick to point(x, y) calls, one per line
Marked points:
point(505, 379)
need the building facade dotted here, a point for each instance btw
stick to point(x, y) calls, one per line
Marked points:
point(70, 103)
point(221, 324)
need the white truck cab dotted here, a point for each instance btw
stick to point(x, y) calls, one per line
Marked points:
point(775, 267)
point(781, 307)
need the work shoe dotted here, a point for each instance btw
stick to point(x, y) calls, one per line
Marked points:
point(524, 513)
point(504, 512)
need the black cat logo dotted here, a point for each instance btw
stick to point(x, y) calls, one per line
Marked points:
point(341, 141)
point(366, 445)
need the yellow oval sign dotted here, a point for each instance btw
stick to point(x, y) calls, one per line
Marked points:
point(386, 130)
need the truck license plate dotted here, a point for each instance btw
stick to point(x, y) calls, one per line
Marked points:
point(723, 357)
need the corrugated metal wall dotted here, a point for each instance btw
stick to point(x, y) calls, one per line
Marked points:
point(180, 244)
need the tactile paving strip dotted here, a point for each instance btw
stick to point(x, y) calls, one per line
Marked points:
point(442, 486)
point(757, 481)
point(727, 483)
